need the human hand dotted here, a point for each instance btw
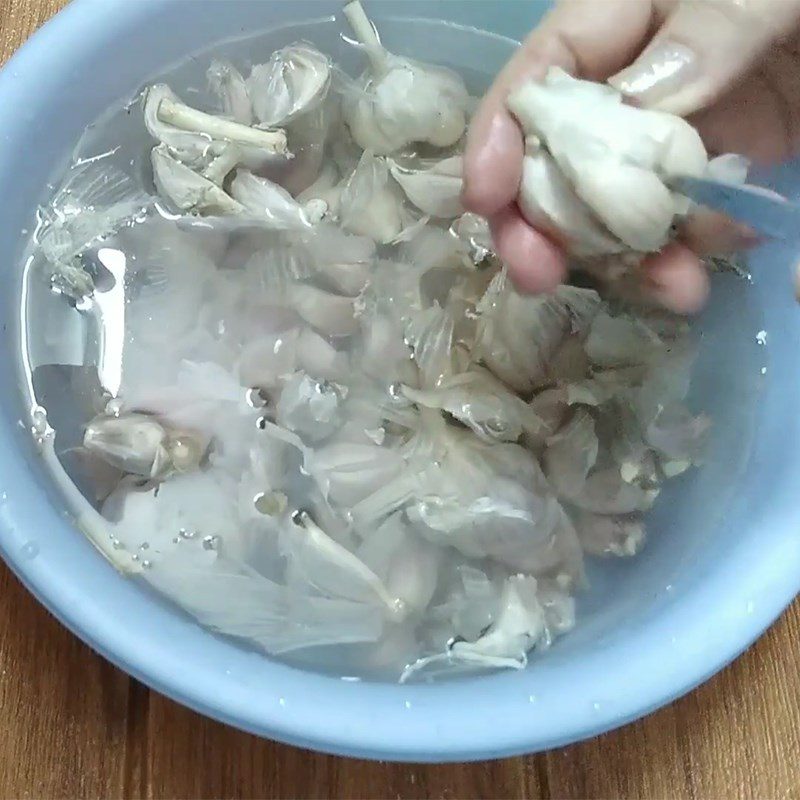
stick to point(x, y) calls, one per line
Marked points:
point(731, 66)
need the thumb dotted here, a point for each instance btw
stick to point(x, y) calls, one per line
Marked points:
point(701, 48)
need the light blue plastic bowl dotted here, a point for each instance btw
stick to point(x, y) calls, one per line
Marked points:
point(650, 629)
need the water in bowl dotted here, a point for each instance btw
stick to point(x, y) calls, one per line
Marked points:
point(63, 349)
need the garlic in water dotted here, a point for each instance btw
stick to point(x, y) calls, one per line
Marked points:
point(400, 101)
point(139, 444)
point(436, 191)
point(295, 81)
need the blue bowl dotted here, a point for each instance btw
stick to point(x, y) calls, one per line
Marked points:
point(724, 557)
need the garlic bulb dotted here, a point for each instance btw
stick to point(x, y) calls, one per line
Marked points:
point(595, 169)
point(140, 445)
point(400, 101)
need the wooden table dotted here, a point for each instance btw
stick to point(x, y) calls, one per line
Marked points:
point(73, 726)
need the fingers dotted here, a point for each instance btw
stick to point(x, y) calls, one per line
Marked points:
point(760, 115)
point(534, 263)
point(701, 48)
point(583, 37)
point(710, 233)
point(676, 279)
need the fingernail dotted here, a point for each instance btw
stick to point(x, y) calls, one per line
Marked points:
point(660, 71)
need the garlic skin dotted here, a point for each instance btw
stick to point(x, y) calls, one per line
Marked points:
point(227, 83)
point(273, 204)
point(187, 131)
point(370, 203)
point(436, 191)
point(400, 101)
point(139, 444)
point(594, 169)
point(188, 190)
point(294, 81)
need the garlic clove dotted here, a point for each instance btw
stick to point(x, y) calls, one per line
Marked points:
point(639, 210)
point(187, 190)
point(227, 83)
point(369, 205)
point(270, 202)
point(435, 191)
point(330, 314)
point(550, 203)
point(185, 129)
point(293, 82)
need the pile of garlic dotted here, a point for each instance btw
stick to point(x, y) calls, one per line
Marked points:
point(337, 423)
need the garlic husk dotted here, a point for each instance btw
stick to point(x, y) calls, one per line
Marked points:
point(186, 189)
point(94, 202)
point(231, 88)
point(187, 131)
point(571, 454)
point(139, 444)
point(272, 203)
point(520, 624)
point(308, 407)
point(293, 82)
point(435, 191)
point(370, 203)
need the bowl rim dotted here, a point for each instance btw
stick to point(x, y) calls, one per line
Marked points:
point(449, 722)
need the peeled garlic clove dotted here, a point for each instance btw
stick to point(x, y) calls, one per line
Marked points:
point(330, 314)
point(228, 84)
point(294, 81)
point(729, 167)
point(640, 209)
point(133, 443)
point(269, 202)
point(266, 361)
point(369, 204)
point(550, 203)
point(187, 190)
point(320, 358)
point(435, 191)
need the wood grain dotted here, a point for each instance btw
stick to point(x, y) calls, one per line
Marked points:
point(75, 727)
